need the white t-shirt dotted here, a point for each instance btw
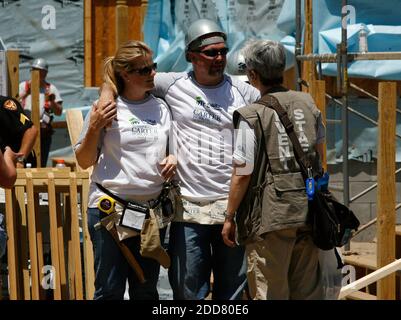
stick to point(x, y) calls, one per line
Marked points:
point(245, 143)
point(202, 131)
point(131, 149)
point(27, 102)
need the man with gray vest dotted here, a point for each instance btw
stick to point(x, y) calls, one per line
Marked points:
point(202, 103)
point(269, 203)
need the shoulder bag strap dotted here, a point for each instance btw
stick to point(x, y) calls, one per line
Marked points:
point(300, 155)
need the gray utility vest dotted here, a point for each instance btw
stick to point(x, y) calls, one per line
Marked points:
point(276, 197)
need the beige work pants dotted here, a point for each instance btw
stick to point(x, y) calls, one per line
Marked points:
point(284, 266)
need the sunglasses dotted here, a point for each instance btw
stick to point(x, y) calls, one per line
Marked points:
point(145, 71)
point(214, 52)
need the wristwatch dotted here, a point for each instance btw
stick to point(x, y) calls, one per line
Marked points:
point(21, 159)
point(228, 216)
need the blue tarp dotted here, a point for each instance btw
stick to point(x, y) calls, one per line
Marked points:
point(381, 18)
point(52, 30)
point(167, 20)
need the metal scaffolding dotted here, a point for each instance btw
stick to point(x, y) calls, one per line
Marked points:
point(342, 57)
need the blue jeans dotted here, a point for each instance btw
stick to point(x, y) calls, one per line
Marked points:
point(112, 269)
point(195, 250)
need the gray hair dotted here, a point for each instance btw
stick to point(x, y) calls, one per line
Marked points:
point(267, 58)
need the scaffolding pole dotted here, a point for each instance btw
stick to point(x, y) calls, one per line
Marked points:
point(352, 56)
point(298, 48)
point(344, 72)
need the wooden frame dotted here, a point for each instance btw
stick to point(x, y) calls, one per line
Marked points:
point(22, 212)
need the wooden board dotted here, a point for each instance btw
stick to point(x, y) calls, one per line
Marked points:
point(33, 252)
point(12, 246)
point(87, 245)
point(25, 237)
point(386, 186)
point(75, 123)
point(35, 116)
point(318, 92)
point(359, 295)
point(101, 34)
point(54, 245)
point(13, 73)
point(381, 273)
point(75, 238)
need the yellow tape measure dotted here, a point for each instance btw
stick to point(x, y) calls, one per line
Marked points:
point(106, 204)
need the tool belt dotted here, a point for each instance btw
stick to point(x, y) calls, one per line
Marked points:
point(134, 213)
point(141, 218)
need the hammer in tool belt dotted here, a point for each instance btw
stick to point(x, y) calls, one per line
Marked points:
point(108, 223)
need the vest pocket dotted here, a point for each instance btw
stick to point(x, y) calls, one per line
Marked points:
point(285, 201)
point(288, 182)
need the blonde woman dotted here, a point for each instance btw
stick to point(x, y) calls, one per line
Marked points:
point(126, 143)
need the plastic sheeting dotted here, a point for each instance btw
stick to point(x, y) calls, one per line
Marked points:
point(52, 30)
point(363, 135)
point(381, 18)
point(167, 21)
point(380, 39)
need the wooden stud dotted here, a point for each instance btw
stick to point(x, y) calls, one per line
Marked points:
point(56, 181)
point(75, 123)
point(60, 235)
point(75, 237)
point(39, 240)
point(386, 186)
point(12, 254)
point(144, 9)
point(88, 80)
point(33, 255)
point(318, 92)
point(289, 79)
point(23, 254)
point(87, 244)
point(53, 236)
point(70, 248)
point(35, 116)
point(370, 278)
point(121, 22)
point(309, 72)
point(13, 73)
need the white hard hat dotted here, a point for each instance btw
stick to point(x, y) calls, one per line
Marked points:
point(197, 34)
point(40, 63)
point(236, 64)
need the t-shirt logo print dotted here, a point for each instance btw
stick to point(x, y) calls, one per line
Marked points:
point(202, 103)
point(144, 128)
point(206, 114)
point(134, 121)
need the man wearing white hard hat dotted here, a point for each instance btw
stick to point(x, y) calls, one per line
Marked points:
point(50, 104)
